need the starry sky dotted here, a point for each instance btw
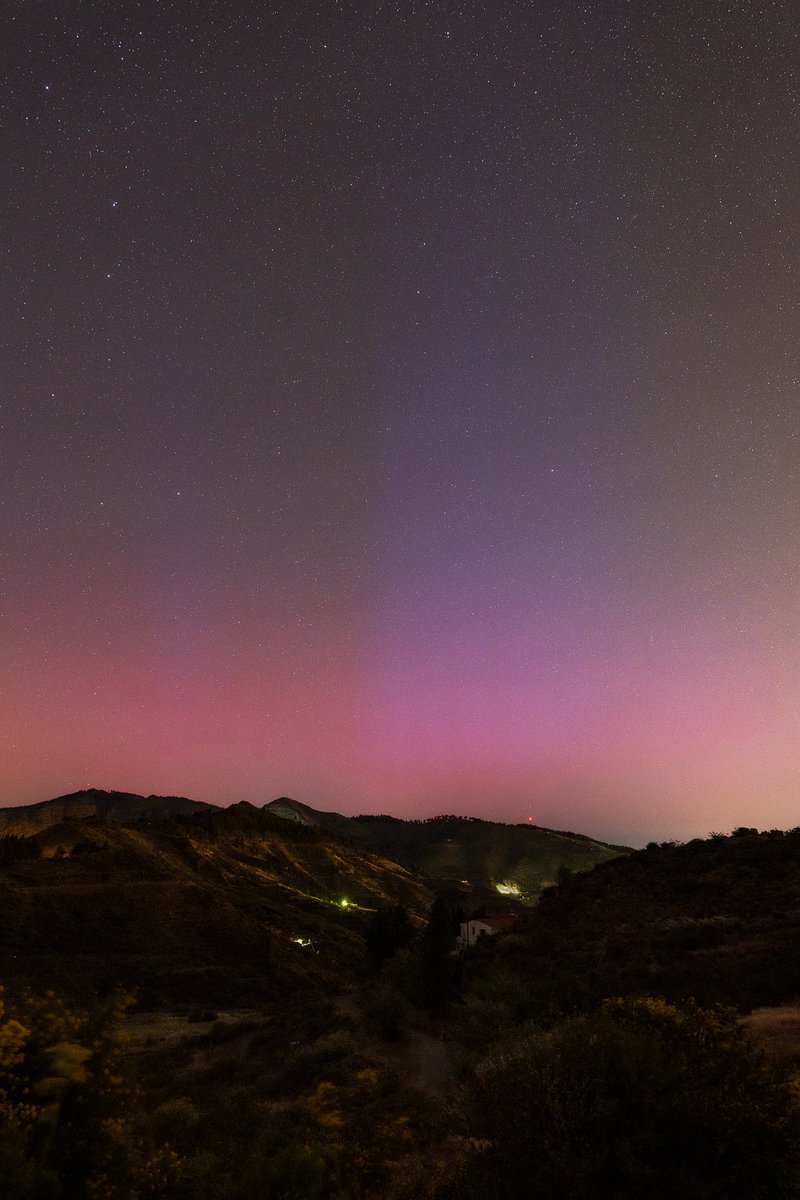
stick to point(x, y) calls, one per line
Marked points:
point(400, 407)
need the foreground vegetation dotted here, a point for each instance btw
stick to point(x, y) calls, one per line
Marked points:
point(597, 1050)
point(639, 1098)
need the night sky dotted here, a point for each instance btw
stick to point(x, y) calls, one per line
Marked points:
point(400, 407)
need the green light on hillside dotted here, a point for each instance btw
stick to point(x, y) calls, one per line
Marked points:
point(344, 903)
point(507, 888)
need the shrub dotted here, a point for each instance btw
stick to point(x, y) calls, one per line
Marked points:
point(67, 1111)
point(641, 1099)
point(387, 1011)
point(177, 1122)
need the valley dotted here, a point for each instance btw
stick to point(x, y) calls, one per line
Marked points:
point(278, 997)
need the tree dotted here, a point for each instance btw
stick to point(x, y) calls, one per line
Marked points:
point(14, 848)
point(389, 930)
point(436, 967)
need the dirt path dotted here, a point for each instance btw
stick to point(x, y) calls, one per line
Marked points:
point(421, 1058)
point(431, 1068)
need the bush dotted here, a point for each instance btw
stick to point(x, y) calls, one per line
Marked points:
point(387, 1011)
point(67, 1112)
point(177, 1122)
point(292, 1173)
point(641, 1099)
point(334, 1053)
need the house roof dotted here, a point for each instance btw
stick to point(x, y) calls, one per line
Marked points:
point(498, 923)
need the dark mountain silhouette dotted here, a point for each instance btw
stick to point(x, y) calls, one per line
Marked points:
point(27, 819)
point(481, 853)
point(716, 919)
point(184, 900)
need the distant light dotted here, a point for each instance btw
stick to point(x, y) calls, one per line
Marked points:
point(344, 903)
point(300, 941)
point(507, 889)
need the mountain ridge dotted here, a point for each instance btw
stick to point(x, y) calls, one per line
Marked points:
point(456, 850)
point(206, 906)
point(29, 819)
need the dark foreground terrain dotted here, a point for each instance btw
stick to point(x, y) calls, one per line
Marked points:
point(230, 1004)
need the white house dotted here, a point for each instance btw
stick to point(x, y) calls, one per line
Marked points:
point(470, 931)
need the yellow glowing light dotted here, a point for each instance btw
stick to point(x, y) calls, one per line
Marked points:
point(344, 903)
point(507, 889)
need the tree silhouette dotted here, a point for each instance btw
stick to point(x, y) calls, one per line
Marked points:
point(389, 930)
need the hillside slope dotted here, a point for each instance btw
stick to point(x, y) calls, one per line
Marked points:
point(485, 852)
point(716, 919)
point(452, 849)
point(482, 853)
point(27, 819)
point(208, 907)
